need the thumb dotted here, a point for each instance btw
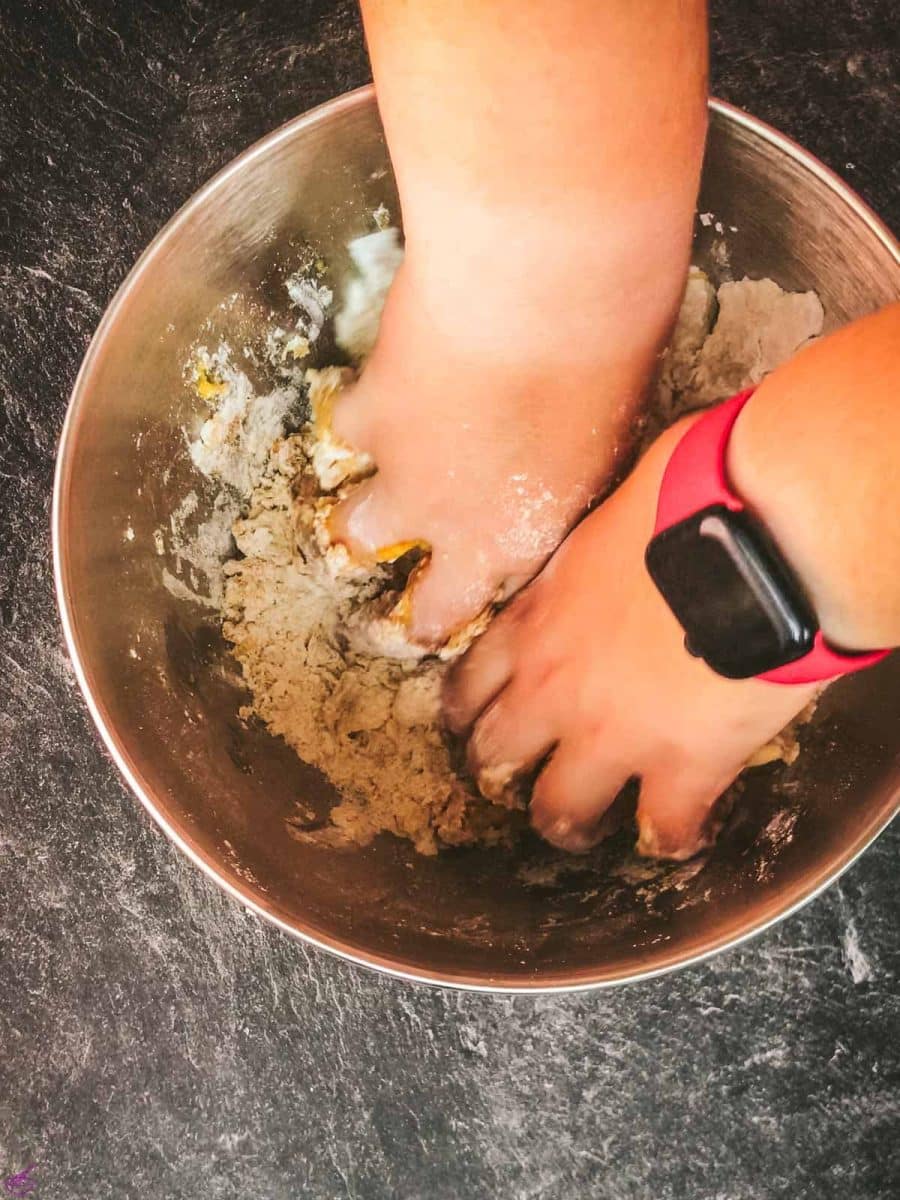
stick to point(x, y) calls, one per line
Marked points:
point(445, 596)
point(367, 524)
point(349, 416)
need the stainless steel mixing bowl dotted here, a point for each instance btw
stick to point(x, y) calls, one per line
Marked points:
point(165, 694)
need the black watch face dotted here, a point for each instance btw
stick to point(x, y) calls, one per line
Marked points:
point(739, 603)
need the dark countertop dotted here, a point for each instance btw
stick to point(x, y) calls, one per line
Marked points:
point(157, 1039)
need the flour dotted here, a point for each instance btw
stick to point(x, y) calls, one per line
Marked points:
point(758, 327)
point(729, 339)
point(376, 257)
point(234, 443)
point(312, 300)
point(322, 652)
point(232, 446)
point(698, 308)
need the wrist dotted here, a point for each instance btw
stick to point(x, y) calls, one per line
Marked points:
point(564, 284)
point(727, 580)
point(796, 492)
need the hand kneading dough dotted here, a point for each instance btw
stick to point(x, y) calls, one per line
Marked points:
point(324, 655)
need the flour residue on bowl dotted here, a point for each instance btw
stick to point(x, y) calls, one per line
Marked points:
point(308, 628)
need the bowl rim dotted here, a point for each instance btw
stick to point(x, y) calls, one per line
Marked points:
point(143, 790)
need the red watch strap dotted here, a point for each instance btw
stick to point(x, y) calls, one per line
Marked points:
point(822, 663)
point(694, 479)
point(695, 476)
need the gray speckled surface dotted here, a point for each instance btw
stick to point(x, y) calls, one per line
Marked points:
point(156, 1039)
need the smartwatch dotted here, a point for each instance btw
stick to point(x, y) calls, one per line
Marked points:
point(742, 608)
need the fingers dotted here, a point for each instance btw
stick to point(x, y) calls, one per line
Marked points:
point(446, 595)
point(675, 810)
point(366, 521)
point(351, 418)
point(443, 595)
point(510, 737)
point(474, 681)
point(574, 792)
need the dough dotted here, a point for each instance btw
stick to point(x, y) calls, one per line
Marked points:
point(324, 655)
point(300, 617)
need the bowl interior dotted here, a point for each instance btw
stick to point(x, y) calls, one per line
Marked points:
point(166, 693)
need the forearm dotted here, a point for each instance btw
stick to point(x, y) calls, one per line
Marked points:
point(816, 452)
point(577, 125)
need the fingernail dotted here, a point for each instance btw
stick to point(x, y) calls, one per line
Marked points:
point(565, 835)
point(561, 828)
point(495, 782)
point(651, 845)
point(647, 843)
